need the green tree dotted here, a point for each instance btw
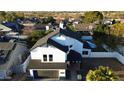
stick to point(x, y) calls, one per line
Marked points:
point(35, 36)
point(103, 34)
point(20, 15)
point(101, 74)
point(93, 16)
point(82, 19)
point(118, 29)
point(70, 26)
point(10, 16)
point(103, 28)
point(2, 15)
point(48, 20)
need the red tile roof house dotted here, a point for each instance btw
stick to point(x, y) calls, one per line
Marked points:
point(84, 27)
point(62, 50)
point(30, 27)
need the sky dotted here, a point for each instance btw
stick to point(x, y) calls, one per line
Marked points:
point(61, 5)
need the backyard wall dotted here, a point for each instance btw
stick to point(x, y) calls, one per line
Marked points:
point(107, 55)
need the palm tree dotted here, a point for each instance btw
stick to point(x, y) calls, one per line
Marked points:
point(101, 74)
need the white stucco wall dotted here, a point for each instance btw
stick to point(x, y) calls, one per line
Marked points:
point(31, 72)
point(62, 73)
point(65, 40)
point(107, 55)
point(58, 55)
point(47, 27)
point(61, 25)
point(102, 54)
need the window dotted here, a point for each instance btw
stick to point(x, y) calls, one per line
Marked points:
point(85, 53)
point(50, 57)
point(44, 57)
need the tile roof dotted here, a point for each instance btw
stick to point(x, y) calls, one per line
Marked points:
point(70, 33)
point(44, 39)
point(6, 46)
point(84, 27)
point(57, 45)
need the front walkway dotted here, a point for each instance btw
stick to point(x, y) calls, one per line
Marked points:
point(72, 69)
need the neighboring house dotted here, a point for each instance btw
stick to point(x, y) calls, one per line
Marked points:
point(28, 28)
point(40, 27)
point(28, 20)
point(4, 29)
point(14, 26)
point(86, 30)
point(8, 33)
point(86, 35)
point(14, 58)
point(71, 19)
point(121, 21)
point(75, 22)
point(107, 22)
point(28, 25)
point(62, 25)
point(84, 27)
point(52, 54)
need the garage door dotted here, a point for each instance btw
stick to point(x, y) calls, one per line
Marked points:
point(45, 74)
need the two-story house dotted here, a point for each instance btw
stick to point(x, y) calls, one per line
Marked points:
point(52, 54)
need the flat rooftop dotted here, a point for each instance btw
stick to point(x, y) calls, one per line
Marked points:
point(37, 64)
point(110, 62)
